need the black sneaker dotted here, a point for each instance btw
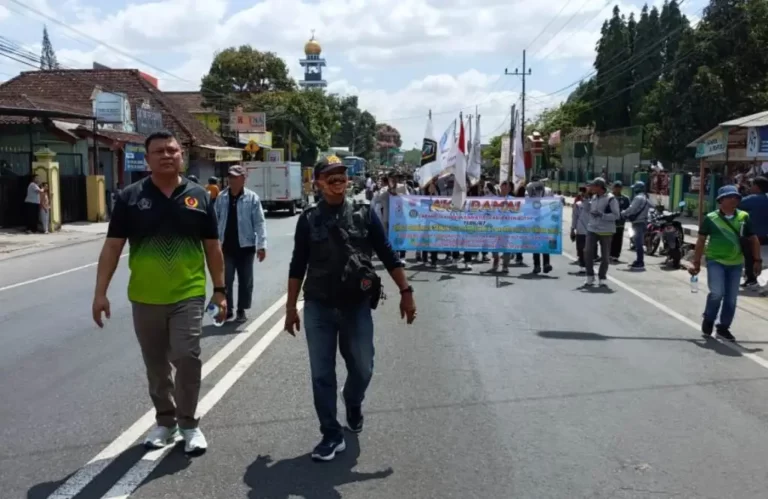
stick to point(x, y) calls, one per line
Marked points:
point(706, 328)
point(725, 333)
point(750, 283)
point(328, 447)
point(537, 270)
point(230, 315)
point(547, 269)
point(637, 266)
point(355, 419)
point(241, 317)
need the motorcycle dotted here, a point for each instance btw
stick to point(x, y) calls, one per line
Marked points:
point(665, 228)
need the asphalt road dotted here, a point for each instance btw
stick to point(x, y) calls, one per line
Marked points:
point(518, 387)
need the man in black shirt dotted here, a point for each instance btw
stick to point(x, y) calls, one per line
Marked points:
point(335, 316)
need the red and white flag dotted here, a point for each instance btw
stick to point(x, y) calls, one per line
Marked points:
point(460, 170)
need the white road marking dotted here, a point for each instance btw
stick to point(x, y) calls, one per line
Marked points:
point(100, 461)
point(51, 276)
point(141, 470)
point(685, 320)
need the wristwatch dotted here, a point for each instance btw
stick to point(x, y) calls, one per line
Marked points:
point(409, 289)
point(220, 289)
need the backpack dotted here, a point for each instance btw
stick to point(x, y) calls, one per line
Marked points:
point(359, 280)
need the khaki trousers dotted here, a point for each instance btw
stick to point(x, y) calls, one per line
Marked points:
point(170, 335)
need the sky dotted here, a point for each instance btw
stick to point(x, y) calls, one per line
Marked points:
point(402, 58)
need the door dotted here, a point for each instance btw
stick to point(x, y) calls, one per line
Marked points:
point(257, 181)
point(278, 183)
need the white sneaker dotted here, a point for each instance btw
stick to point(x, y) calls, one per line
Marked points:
point(590, 281)
point(194, 441)
point(162, 436)
point(467, 266)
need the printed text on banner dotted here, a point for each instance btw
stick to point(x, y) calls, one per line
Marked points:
point(512, 225)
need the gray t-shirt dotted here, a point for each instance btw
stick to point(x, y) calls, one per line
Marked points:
point(33, 193)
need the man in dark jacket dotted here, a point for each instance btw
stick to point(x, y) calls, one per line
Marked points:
point(329, 238)
point(756, 204)
point(618, 238)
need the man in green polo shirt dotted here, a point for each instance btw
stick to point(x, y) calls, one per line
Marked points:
point(171, 226)
point(727, 229)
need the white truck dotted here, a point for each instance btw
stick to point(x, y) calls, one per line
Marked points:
point(278, 184)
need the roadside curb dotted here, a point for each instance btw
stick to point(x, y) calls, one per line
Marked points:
point(38, 248)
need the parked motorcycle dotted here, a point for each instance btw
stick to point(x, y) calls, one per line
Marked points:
point(666, 229)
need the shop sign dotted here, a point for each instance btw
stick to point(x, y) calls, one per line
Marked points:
point(148, 120)
point(712, 146)
point(134, 158)
point(264, 140)
point(111, 108)
point(757, 142)
point(275, 156)
point(226, 155)
point(248, 122)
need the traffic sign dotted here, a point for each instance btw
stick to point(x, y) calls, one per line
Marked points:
point(252, 147)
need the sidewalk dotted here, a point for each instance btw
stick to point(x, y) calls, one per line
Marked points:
point(690, 231)
point(670, 286)
point(16, 242)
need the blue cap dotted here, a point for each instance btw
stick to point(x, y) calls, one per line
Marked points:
point(727, 191)
point(638, 186)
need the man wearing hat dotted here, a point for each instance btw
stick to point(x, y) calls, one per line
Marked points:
point(601, 226)
point(618, 238)
point(243, 236)
point(724, 232)
point(637, 215)
point(333, 247)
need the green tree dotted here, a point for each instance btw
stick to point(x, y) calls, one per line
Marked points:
point(357, 129)
point(236, 74)
point(672, 25)
point(613, 77)
point(647, 59)
point(308, 117)
point(47, 55)
point(387, 138)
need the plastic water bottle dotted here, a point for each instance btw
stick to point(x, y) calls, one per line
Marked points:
point(762, 279)
point(213, 312)
point(694, 284)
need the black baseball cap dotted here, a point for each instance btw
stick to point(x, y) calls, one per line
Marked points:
point(327, 164)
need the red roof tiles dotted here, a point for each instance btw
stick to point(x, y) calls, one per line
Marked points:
point(75, 88)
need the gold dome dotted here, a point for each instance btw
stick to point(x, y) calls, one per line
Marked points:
point(312, 47)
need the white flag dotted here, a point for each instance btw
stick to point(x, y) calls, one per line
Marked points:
point(460, 170)
point(518, 160)
point(430, 159)
point(475, 160)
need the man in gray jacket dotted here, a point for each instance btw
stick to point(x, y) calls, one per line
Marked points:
point(637, 215)
point(579, 220)
point(603, 213)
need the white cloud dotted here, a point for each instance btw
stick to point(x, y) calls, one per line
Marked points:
point(4, 13)
point(397, 34)
point(446, 95)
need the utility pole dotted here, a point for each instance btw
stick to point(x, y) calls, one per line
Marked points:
point(524, 73)
point(511, 139)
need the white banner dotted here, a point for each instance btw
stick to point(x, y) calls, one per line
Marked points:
point(504, 159)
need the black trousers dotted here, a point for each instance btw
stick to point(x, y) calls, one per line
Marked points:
point(537, 259)
point(432, 256)
point(617, 242)
point(32, 216)
point(581, 241)
point(749, 259)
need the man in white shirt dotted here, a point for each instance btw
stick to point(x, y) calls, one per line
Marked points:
point(32, 204)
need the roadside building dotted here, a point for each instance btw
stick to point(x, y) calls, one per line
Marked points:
point(126, 105)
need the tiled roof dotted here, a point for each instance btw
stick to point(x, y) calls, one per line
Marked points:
point(75, 87)
point(26, 102)
point(191, 102)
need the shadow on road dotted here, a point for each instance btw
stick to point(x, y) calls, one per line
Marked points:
point(279, 214)
point(736, 350)
point(301, 477)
